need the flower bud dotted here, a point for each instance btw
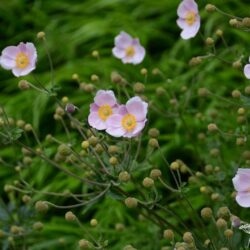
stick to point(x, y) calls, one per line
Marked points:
point(64, 149)
point(40, 35)
point(113, 161)
point(195, 61)
point(175, 165)
point(144, 71)
point(240, 141)
point(235, 221)
point(206, 213)
point(8, 188)
point(168, 234)
point(247, 90)
point(28, 127)
point(27, 160)
point(20, 123)
point(38, 226)
point(203, 92)
point(65, 100)
point(116, 78)
point(70, 108)
point(15, 229)
point(93, 222)
point(212, 127)
point(246, 22)
point(236, 93)
point(219, 32)
point(233, 22)
point(148, 182)
point(94, 78)
point(223, 212)
point(208, 169)
point(155, 173)
point(131, 202)
point(215, 196)
point(119, 227)
point(75, 77)
point(188, 238)
point(210, 8)
point(209, 41)
point(214, 152)
point(153, 143)
point(228, 233)
point(69, 216)
point(221, 223)
point(153, 132)
point(85, 144)
point(93, 140)
point(95, 53)
point(84, 244)
point(113, 149)
point(139, 88)
point(129, 247)
point(23, 84)
point(160, 91)
point(99, 149)
point(124, 176)
point(26, 198)
point(41, 206)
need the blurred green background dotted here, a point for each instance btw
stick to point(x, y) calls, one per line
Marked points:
point(73, 30)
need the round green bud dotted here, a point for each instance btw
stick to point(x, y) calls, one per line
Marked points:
point(153, 143)
point(187, 237)
point(113, 149)
point(148, 182)
point(153, 132)
point(93, 222)
point(206, 213)
point(41, 206)
point(139, 88)
point(113, 161)
point(155, 173)
point(64, 149)
point(84, 244)
point(38, 226)
point(69, 216)
point(124, 176)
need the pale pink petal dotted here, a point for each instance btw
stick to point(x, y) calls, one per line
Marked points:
point(139, 53)
point(119, 53)
point(139, 127)
point(116, 132)
point(243, 199)
point(11, 52)
point(123, 40)
point(94, 107)
point(185, 6)
point(31, 52)
point(241, 182)
point(191, 31)
point(105, 98)
point(245, 171)
point(137, 107)
point(114, 121)
point(122, 110)
point(7, 62)
point(247, 71)
point(22, 72)
point(95, 121)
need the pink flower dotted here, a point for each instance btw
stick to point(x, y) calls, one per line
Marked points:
point(104, 105)
point(247, 70)
point(189, 19)
point(242, 185)
point(128, 49)
point(21, 59)
point(130, 119)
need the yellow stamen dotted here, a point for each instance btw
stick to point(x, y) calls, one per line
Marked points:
point(130, 51)
point(22, 60)
point(104, 112)
point(129, 122)
point(248, 190)
point(190, 18)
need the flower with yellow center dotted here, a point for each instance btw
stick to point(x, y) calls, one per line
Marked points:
point(104, 112)
point(190, 18)
point(129, 122)
point(22, 60)
point(130, 51)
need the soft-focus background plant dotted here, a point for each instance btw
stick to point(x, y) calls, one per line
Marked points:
point(74, 29)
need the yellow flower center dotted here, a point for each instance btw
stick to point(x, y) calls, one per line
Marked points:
point(130, 51)
point(190, 18)
point(129, 122)
point(104, 112)
point(22, 60)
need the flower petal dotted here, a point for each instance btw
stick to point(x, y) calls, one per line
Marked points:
point(185, 6)
point(11, 52)
point(95, 121)
point(241, 182)
point(22, 72)
point(137, 107)
point(247, 71)
point(243, 199)
point(123, 40)
point(191, 31)
point(118, 52)
point(7, 62)
point(114, 121)
point(105, 97)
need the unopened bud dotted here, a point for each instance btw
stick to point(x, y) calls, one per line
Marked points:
point(38, 226)
point(188, 238)
point(95, 54)
point(93, 222)
point(168, 234)
point(155, 173)
point(153, 132)
point(70, 108)
point(206, 213)
point(84, 244)
point(131, 202)
point(23, 84)
point(210, 8)
point(219, 32)
point(148, 182)
point(212, 127)
point(40, 35)
point(113, 161)
point(144, 71)
point(228, 233)
point(153, 143)
point(195, 61)
point(94, 78)
point(41, 206)
point(221, 223)
point(209, 41)
point(69, 216)
point(124, 176)
point(139, 88)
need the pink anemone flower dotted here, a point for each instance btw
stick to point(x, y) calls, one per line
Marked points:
point(247, 70)
point(21, 59)
point(104, 105)
point(189, 19)
point(129, 120)
point(242, 185)
point(128, 49)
